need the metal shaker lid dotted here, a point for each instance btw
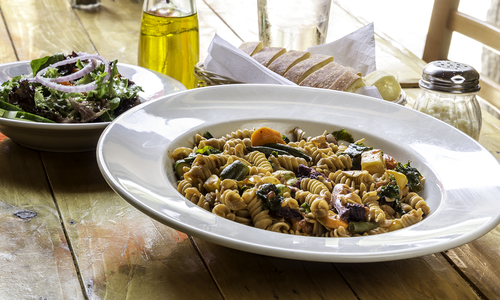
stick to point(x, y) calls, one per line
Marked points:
point(450, 77)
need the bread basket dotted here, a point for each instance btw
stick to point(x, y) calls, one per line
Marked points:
point(207, 78)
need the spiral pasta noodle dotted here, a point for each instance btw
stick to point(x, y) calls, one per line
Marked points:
point(312, 186)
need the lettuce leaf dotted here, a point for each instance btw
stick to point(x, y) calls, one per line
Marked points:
point(41, 63)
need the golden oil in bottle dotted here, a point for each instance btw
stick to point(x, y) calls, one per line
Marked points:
point(169, 43)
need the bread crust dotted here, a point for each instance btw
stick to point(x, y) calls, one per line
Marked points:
point(268, 54)
point(283, 63)
point(324, 77)
point(251, 48)
point(304, 68)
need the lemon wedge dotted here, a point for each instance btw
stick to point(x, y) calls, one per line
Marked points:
point(387, 84)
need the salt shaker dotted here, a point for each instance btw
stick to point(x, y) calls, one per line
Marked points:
point(448, 92)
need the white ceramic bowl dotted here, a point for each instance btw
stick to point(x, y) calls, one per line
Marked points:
point(133, 155)
point(77, 137)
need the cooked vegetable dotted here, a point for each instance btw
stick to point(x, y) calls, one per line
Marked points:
point(391, 190)
point(236, 170)
point(282, 188)
point(373, 161)
point(179, 166)
point(212, 183)
point(351, 212)
point(308, 172)
point(269, 194)
point(291, 150)
point(332, 221)
point(305, 208)
point(207, 150)
point(268, 151)
point(355, 151)
point(360, 227)
point(400, 178)
point(413, 176)
point(208, 135)
point(343, 135)
point(266, 135)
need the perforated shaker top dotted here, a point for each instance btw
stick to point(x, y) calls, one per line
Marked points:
point(450, 77)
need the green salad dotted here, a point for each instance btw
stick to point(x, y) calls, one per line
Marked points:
point(78, 88)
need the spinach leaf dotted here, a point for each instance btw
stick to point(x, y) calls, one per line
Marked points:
point(343, 135)
point(41, 63)
point(413, 176)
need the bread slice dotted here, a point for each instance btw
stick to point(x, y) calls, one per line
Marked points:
point(288, 60)
point(268, 54)
point(345, 81)
point(304, 68)
point(251, 48)
point(324, 77)
point(355, 85)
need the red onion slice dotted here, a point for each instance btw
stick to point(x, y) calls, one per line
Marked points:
point(86, 70)
point(52, 82)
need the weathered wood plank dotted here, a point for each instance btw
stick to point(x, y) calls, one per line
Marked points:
point(122, 253)
point(243, 275)
point(480, 262)
point(41, 28)
point(427, 277)
point(240, 276)
point(35, 260)
point(114, 29)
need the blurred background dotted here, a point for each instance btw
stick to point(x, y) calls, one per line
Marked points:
point(410, 30)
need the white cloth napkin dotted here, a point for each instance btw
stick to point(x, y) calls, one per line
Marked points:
point(356, 50)
point(226, 60)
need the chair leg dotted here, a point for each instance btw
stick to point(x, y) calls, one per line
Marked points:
point(438, 40)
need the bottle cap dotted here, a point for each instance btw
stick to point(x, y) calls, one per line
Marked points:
point(450, 77)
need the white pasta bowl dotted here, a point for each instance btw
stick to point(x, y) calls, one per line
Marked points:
point(77, 137)
point(133, 155)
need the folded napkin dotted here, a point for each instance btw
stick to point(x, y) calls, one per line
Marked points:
point(356, 50)
point(226, 60)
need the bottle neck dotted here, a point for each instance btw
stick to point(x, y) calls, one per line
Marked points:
point(169, 8)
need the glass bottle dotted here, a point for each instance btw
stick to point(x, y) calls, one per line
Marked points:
point(169, 41)
point(448, 92)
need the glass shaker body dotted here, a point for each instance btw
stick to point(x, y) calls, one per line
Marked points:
point(461, 111)
point(448, 92)
point(169, 41)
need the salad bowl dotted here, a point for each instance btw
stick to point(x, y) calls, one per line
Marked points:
point(77, 137)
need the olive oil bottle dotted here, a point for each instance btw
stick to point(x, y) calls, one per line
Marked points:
point(169, 41)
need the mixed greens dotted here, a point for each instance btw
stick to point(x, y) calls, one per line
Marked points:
point(78, 88)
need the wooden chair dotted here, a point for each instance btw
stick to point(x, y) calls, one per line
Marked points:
point(445, 20)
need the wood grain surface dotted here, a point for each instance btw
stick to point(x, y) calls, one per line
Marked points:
point(35, 258)
point(65, 234)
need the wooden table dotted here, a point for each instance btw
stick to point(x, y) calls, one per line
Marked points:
point(85, 242)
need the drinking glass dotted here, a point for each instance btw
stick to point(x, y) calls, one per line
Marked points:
point(293, 24)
